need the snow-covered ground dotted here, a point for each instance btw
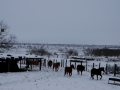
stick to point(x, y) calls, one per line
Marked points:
point(47, 79)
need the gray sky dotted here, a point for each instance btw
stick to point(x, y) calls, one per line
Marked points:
point(63, 21)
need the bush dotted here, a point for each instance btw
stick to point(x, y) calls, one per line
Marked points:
point(72, 52)
point(39, 51)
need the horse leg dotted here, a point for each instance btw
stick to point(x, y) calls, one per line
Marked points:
point(92, 76)
point(53, 68)
point(97, 77)
point(101, 77)
point(56, 69)
point(70, 74)
point(78, 72)
point(64, 73)
point(81, 72)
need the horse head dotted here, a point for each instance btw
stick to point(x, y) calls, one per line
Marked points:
point(72, 66)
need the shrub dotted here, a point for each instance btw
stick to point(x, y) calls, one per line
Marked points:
point(72, 52)
point(39, 51)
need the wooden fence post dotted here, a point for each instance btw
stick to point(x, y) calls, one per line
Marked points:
point(99, 65)
point(70, 63)
point(40, 65)
point(8, 60)
point(93, 65)
point(27, 63)
point(86, 65)
point(61, 62)
point(75, 65)
point(81, 62)
point(106, 68)
point(115, 66)
point(45, 62)
point(31, 63)
point(20, 58)
point(54, 61)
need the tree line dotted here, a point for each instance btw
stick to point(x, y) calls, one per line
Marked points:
point(102, 52)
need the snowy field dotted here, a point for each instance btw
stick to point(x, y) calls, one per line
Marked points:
point(47, 79)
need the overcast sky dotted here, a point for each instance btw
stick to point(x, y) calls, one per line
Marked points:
point(63, 21)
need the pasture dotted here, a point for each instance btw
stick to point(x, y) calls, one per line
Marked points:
point(49, 79)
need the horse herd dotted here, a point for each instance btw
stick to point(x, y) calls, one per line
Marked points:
point(80, 68)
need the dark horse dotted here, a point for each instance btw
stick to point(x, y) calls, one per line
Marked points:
point(56, 66)
point(49, 63)
point(69, 70)
point(80, 68)
point(97, 72)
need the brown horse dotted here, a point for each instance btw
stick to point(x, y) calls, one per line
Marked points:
point(34, 62)
point(80, 68)
point(49, 63)
point(68, 70)
point(56, 66)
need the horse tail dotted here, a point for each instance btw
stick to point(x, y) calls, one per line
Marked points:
point(91, 74)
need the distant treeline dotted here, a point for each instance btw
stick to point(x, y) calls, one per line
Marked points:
point(103, 52)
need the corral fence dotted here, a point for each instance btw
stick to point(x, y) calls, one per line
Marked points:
point(32, 62)
point(16, 64)
point(66, 62)
point(113, 69)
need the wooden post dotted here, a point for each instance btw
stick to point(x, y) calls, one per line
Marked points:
point(45, 62)
point(106, 68)
point(54, 61)
point(8, 60)
point(33, 62)
point(93, 65)
point(115, 69)
point(61, 62)
point(81, 62)
point(24, 59)
point(86, 65)
point(30, 63)
point(40, 64)
point(66, 63)
point(27, 62)
point(20, 58)
point(20, 64)
point(75, 65)
point(99, 65)
point(70, 63)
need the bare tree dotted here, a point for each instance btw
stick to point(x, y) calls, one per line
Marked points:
point(6, 40)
